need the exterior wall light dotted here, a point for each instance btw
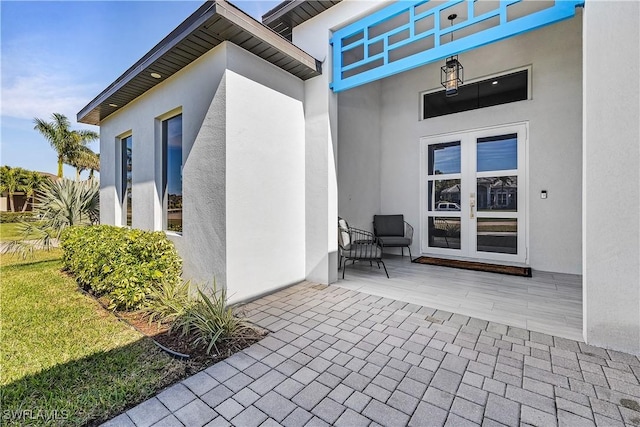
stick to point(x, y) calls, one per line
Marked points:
point(452, 73)
point(156, 75)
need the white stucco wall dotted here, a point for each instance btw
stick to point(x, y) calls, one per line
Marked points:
point(611, 224)
point(265, 173)
point(321, 141)
point(359, 147)
point(243, 169)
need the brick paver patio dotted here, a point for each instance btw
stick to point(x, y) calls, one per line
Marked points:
point(344, 358)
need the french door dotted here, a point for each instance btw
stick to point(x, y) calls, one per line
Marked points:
point(473, 194)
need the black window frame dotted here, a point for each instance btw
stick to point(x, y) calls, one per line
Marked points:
point(125, 189)
point(477, 95)
point(165, 167)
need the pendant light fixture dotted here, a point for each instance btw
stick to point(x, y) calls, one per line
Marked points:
point(452, 73)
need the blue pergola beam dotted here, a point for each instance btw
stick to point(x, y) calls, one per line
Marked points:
point(562, 9)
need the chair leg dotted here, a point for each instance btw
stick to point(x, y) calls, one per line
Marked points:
point(402, 252)
point(344, 267)
point(410, 257)
point(385, 269)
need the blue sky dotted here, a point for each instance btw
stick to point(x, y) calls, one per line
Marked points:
point(57, 56)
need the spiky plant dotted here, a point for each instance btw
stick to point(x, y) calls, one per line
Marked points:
point(63, 203)
point(210, 321)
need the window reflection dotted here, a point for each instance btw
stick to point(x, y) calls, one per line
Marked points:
point(444, 232)
point(444, 195)
point(497, 153)
point(498, 235)
point(498, 193)
point(444, 158)
point(172, 147)
point(127, 182)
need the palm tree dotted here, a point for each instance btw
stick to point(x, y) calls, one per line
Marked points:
point(32, 182)
point(65, 141)
point(84, 158)
point(11, 182)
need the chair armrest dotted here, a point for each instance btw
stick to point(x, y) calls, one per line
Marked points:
point(408, 231)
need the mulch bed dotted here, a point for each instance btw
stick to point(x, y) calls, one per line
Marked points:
point(173, 340)
point(198, 356)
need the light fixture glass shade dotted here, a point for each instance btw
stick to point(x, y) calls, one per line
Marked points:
point(452, 74)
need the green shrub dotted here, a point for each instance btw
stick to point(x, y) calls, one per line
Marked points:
point(7, 217)
point(123, 264)
point(210, 321)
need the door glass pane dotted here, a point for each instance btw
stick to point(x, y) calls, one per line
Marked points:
point(444, 158)
point(498, 235)
point(497, 193)
point(444, 232)
point(497, 153)
point(444, 195)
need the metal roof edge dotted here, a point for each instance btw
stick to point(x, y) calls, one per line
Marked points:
point(204, 13)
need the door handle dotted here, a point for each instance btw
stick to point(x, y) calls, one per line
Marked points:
point(472, 205)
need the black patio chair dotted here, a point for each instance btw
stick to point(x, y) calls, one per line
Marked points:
point(358, 245)
point(393, 231)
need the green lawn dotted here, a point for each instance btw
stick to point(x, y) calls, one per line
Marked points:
point(63, 356)
point(10, 231)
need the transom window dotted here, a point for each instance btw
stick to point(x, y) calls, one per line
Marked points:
point(503, 89)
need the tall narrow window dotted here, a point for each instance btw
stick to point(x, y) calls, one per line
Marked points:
point(127, 183)
point(172, 171)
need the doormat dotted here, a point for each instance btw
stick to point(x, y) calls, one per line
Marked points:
point(477, 266)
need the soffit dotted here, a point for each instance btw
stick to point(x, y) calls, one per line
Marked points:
point(290, 13)
point(213, 23)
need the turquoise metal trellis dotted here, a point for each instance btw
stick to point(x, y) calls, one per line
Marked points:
point(372, 47)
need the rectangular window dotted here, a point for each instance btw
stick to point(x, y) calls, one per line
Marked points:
point(472, 96)
point(126, 179)
point(172, 172)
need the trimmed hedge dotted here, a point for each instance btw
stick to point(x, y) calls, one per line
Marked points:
point(123, 264)
point(7, 217)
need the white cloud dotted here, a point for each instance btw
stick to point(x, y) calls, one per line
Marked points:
point(38, 83)
point(40, 95)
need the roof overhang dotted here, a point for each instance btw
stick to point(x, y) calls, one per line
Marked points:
point(212, 24)
point(290, 13)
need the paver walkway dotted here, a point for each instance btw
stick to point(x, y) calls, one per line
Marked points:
point(344, 358)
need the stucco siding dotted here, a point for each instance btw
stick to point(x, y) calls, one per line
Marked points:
point(611, 298)
point(359, 150)
point(243, 170)
point(265, 170)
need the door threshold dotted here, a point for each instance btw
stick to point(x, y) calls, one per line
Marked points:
point(490, 267)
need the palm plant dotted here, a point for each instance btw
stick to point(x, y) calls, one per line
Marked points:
point(63, 203)
point(65, 141)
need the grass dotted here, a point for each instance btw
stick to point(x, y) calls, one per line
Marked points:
point(11, 231)
point(64, 358)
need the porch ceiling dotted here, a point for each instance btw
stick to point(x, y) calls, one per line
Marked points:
point(213, 23)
